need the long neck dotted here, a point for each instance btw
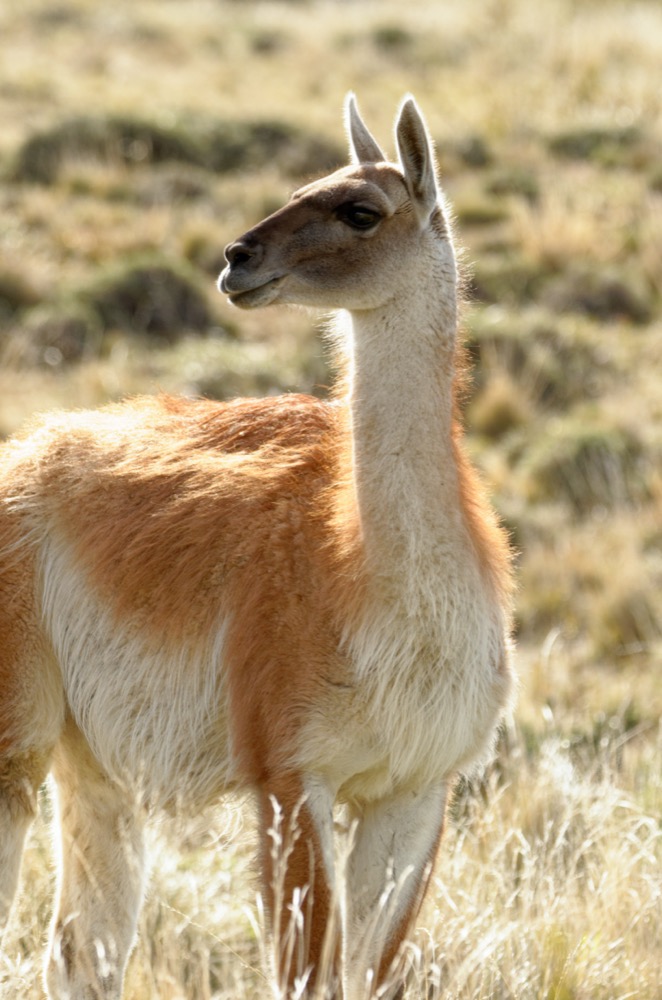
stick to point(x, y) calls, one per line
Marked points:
point(401, 405)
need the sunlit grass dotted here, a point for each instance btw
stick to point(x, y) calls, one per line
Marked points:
point(547, 884)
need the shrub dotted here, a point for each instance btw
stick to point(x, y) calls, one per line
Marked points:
point(459, 151)
point(150, 295)
point(477, 210)
point(16, 292)
point(599, 143)
point(391, 37)
point(106, 139)
point(251, 145)
point(602, 293)
point(55, 334)
point(501, 407)
point(214, 145)
point(588, 464)
point(555, 362)
point(514, 181)
point(624, 621)
point(172, 183)
point(507, 279)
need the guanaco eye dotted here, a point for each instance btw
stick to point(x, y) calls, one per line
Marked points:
point(358, 216)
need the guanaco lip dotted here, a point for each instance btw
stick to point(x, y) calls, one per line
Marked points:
point(248, 297)
point(253, 295)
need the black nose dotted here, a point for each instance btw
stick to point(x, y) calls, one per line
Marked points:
point(239, 252)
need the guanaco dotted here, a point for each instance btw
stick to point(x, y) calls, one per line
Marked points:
point(305, 598)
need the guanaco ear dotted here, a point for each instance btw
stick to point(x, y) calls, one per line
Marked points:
point(417, 159)
point(362, 147)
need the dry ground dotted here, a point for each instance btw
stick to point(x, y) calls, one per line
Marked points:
point(137, 139)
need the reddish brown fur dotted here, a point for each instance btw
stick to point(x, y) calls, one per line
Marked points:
point(278, 532)
point(264, 531)
point(490, 540)
point(21, 643)
point(165, 462)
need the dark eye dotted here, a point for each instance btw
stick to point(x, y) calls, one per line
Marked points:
point(358, 216)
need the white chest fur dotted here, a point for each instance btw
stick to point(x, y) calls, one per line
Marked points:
point(430, 686)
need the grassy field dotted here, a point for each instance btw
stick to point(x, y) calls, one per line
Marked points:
point(138, 138)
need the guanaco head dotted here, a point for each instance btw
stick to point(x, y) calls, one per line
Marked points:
point(355, 239)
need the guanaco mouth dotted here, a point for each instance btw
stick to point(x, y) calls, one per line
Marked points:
point(248, 298)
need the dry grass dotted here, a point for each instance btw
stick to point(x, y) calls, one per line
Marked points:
point(548, 119)
point(548, 885)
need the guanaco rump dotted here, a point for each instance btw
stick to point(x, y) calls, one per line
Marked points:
point(306, 599)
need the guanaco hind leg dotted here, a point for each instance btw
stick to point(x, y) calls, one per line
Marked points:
point(31, 713)
point(101, 878)
point(395, 845)
point(21, 773)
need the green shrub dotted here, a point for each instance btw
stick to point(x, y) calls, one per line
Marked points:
point(150, 295)
point(603, 293)
point(57, 333)
point(599, 143)
point(111, 139)
point(251, 145)
point(588, 464)
point(480, 211)
point(506, 279)
point(459, 152)
point(555, 360)
point(171, 183)
point(624, 622)
point(219, 146)
point(500, 407)
point(514, 181)
point(16, 292)
point(391, 37)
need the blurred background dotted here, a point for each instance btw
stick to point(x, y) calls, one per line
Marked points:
point(138, 138)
